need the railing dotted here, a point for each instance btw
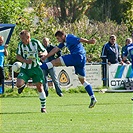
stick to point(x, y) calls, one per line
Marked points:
point(13, 80)
point(105, 72)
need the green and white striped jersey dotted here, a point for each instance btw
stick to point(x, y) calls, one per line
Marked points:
point(30, 51)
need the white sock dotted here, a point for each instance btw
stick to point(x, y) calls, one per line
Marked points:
point(42, 95)
point(42, 98)
point(49, 65)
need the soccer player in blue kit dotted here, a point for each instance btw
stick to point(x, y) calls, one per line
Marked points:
point(76, 58)
point(129, 51)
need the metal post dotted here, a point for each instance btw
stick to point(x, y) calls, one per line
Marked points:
point(12, 79)
point(107, 74)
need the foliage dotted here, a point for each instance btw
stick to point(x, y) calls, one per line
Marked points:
point(128, 15)
point(10, 9)
point(39, 21)
point(115, 10)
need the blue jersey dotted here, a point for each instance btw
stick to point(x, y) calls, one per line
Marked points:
point(129, 50)
point(73, 44)
point(1, 56)
point(76, 58)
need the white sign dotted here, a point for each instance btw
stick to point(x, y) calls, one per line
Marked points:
point(118, 74)
point(67, 77)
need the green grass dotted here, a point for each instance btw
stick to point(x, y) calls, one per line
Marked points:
point(69, 114)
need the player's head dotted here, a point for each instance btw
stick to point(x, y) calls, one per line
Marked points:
point(112, 39)
point(25, 36)
point(60, 36)
point(128, 41)
point(1, 40)
point(46, 41)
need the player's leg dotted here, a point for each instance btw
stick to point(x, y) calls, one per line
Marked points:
point(55, 81)
point(80, 71)
point(2, 77)
point(20, 85)
point(66, 60)
point(45, 83)
point(42, 96)
point(89, 90)
point(22, 79)
point(38, 79)
point(49, 65)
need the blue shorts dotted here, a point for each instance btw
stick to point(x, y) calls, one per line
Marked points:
point(76, 60)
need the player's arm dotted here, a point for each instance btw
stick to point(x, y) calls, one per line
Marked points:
point(43, 53)
point(124, 54)
point(52, 52)
point(91, 41)
point(5, 50)
point(21, 59)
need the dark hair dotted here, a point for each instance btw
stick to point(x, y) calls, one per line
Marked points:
point(59, 33)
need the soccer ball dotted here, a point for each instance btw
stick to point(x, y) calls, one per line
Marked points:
point(16, 67)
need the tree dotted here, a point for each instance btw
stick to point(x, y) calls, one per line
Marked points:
point(128, 15)
point(67, 10)
point(101, 10)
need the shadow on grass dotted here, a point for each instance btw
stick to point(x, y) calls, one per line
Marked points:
point(4, 113)
point(113, 103)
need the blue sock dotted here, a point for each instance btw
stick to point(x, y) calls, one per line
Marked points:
point(89, 89)
point(44, 66)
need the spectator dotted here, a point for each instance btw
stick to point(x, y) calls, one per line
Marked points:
point(51, 71)
point(76, 58)
point(129, 50)
point(110, 55)
point(27, 53)
point(3, 52)
point(128, 60)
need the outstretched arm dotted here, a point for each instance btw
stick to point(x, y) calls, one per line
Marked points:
point(91, 41)
point(52, 52)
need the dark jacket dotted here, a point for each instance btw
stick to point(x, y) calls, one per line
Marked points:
point(49, 48)
point(111, 53)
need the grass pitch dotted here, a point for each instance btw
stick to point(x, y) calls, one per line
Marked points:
point(69, 114)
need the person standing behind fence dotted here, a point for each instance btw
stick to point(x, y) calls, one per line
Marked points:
point(27, 52)
point(76, 58)
point(128, 41)
point(51, 72)
point(110, 54)
point(129, 50)
point(3, 52)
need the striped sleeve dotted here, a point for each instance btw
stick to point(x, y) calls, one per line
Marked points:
point(19, 52)
point(40, 46)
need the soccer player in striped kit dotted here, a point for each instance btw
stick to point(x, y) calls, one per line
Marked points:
point(27, 53)
point(76, 58)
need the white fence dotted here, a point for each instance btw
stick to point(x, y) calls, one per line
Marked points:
point(68, 79)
